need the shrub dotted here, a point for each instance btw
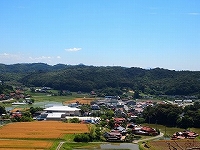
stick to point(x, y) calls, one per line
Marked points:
point(74, 120)
point(82, 137)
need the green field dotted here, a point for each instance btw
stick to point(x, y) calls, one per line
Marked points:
point(42, 99)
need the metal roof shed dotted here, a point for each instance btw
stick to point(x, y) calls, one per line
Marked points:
point(69, 111)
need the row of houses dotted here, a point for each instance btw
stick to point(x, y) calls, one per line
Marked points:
point(17, 94)
point(184, 135)
point(144, 130)
point(119, 133)
point(180, 101)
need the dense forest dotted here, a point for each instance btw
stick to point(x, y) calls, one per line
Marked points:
point(83, 78)
point(173, 115)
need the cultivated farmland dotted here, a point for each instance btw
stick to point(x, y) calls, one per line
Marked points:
point(174, 144)
point(24, 144)
point(80, 100)
point(38, 135)
point(41, 130)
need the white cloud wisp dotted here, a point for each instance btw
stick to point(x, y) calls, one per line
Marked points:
point(73, 49)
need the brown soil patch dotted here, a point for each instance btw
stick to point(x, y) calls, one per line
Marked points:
point(18, 109)
point(80, 100)
point(174, 144)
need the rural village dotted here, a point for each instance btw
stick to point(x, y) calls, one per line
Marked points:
point(122, 127)
point(99, 75)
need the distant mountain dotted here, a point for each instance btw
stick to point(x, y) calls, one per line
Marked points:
point(155, 81)
point(29, 67)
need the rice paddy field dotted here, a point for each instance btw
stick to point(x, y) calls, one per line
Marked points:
point(24, 144)
point(41, 97)
point(36, 135)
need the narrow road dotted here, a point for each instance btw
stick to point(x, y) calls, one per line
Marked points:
point(59, 145)
point(150, 138)
point(135, 142)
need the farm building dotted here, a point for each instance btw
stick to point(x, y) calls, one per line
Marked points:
point(68, 111)
point(144, 130)
point(178, 101)
point(86, 119)
point(184, 134)
point(113, 136)
point(55, 116)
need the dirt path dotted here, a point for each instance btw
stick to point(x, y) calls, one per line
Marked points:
point(150, 138)
point(59, 145)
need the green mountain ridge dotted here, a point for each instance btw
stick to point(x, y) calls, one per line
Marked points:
point(157, 81)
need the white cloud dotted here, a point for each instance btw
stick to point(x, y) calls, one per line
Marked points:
point(194, 13)
point(6, 55)
point(47, 58)
point(73, 49)
point(8, 58)
point(41, 58)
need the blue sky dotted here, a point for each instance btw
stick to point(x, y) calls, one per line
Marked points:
point(129, 33)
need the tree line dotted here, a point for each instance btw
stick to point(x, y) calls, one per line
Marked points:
point(173, 115)
point(115, 79)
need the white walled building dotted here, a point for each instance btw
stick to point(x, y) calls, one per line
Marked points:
point(68, 111)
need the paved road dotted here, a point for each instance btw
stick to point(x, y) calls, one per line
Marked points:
point(7, 100)
point(150, 138)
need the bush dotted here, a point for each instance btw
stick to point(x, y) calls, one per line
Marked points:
point(157, 130)
point(129, 138)
point(82, 137)
point(74, 120)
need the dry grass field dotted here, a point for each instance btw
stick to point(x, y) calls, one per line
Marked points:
point(38, 135)
point(80, 100)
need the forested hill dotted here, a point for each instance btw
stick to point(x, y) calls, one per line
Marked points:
point(86, 78)
point(29, 67)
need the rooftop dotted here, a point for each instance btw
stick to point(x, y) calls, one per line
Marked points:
point(61, 108)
